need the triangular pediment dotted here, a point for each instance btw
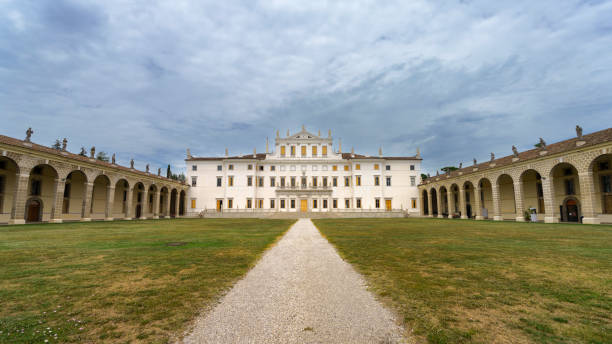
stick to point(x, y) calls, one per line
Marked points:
point(304, 134)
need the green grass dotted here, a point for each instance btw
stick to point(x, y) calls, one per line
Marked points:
point(120, 281)
point(460, 281)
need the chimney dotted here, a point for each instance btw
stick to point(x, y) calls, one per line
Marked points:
point(380, 151)
point(339, 145)
point(254, 152)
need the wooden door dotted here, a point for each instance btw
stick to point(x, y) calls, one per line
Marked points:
point(388, 204)
point(219, 204)
point(33, 211)
point(303, 205)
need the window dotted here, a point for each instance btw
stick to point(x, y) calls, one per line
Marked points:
point(606, 186)
point(292, 181)
point(324, 204)
point(388, 167)
point(314, 181)
point(323, 167)
point(219, 168)
point(282, 184)
point(304, 183)
point(335, 203)
point(230, 181)
point(376, 166)
point(377, 203)
point(230, 203)
point(259, 204)
point(413, 202)
point(292, 150)
point(249, 204)
point(282, 150)
point(261, 168)
point(359, 203)
point(35, 187)
point(347, 181)
point(2, 181)
point(249, 167)
point(324, 150)
point(272, 204)
point(346, 167)
point(314, 150)
point(347, 203)
point(314, 204)
point(357, 180)
point(325, 181)
point(194, 181)
point(249, 181)
point(569, 187)
point(335, 181)
point(272, 181)
point(219, 181)
point(303, 150)
point(194, 167)
point(282, 204)
point(230, 167)
point(412, 180)
point(604, 166)
point(315, 167)
point(193, 203)
point(66, 203)
point(272, 168)
point(388, 181)
point(358, 166)
point(377, 180)
point(260, 182)
point(335, 168)
point(292, 204)
point(411, 167)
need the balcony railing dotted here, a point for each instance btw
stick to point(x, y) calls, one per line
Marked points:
point(303, 187)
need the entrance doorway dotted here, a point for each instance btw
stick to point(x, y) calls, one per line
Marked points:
point(219, 204)
point(33, 211)
point(303, 205)
point(388, 204)
point(571, 210)
point(138, 211)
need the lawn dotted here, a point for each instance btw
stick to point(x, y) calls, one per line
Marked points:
point(124, 281)
point(463, 281)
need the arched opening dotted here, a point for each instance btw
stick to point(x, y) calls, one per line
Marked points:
point(8, 182)
point(469, 200)
point(434, 202)
point(507, 206)
point(425, 205)
point(138, 200)
point(99, 197)
point(601, 167)
point(454, 201)
point(182, 203)
point(533, 193)
point(571, 210)
point(151, 200)
point(34, 210)
point(486, 198)
point(566, 186)
point(444, 201)
point(120, 205)
point(163, 202)
point(74, 196)
point(41, 187)
point(173, 200)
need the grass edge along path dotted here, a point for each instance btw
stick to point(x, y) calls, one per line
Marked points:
point(463, 281)
point(123, 281)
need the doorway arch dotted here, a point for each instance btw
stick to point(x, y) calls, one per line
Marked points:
point(34, 208)
point(571, 211)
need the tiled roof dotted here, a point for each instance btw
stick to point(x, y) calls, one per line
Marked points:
point(33, 146)
point(553, 148)
point(262, 156)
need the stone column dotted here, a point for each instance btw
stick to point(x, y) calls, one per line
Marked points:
point(450, 197)
point(156, 204)
point(587, 194)
point(429, 204)
point(462, 203)
point(422, 205)
point(176, 204)
point(129, 205)
point(518, 201)
point(496, 203)
point(110, 200)
point(549, 200)
point(477, 205)
point(144, 204)
point(87, 196)
point(439, 201)
point(19, 200)
point(58, 200)
point(168, 198)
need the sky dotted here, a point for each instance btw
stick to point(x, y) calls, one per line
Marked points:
point(146, 79)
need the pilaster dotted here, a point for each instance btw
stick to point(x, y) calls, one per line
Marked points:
point(110, 200)
point(87, 196)
point(462, 204)
point(19, 201)
point(518, 201)
point(58, 200)
point(496, 202)
point(587, 193)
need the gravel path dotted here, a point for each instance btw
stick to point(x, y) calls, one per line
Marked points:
point(300, 292)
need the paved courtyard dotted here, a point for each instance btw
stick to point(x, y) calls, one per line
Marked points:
point(300, 292)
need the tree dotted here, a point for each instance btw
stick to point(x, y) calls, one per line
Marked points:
point(423, 176)
point(102, 156)
point(57, 145)
point(168, 172)
point(180, 177)
point(449, 169)
point(83, 152)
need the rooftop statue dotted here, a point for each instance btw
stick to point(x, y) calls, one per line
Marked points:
point(29, 133)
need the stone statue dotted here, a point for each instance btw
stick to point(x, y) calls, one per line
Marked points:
point(579, 132)
point(132, 163)
point(475, 162)
point(159, 172)
point(460, 165)
point(437, 173)
point(542, 143)
point(277, 133)
point(64, 144)
point(329, 133)
point(303, 128)
point(93, 152)
point(380, 151)
point(29, 133)
point(113, 158)
point(514, 151)
point(492, 156)
point(287, 132)
point(319, 133)
point(188, 153)
point(226, 152)
point(147, 168)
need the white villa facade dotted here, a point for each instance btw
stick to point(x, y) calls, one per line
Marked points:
point(303, 174)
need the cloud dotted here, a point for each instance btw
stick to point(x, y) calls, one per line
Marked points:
point(147, 79)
